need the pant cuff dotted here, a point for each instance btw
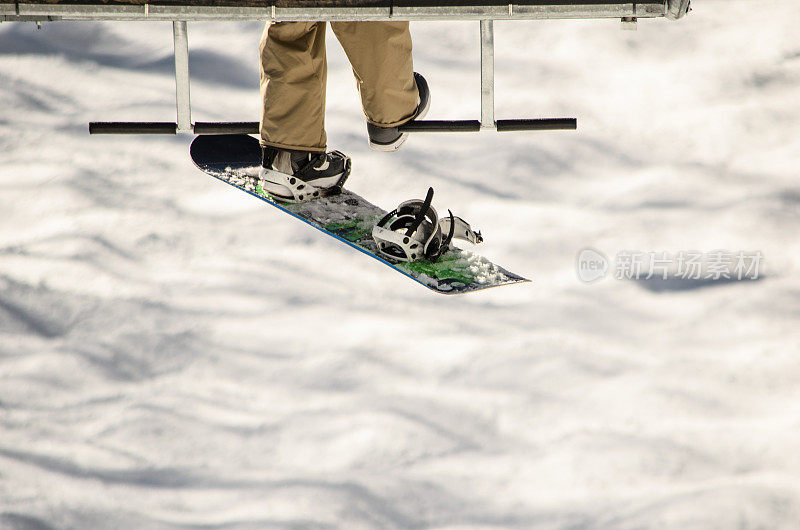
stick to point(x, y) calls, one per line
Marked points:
point(290, 147)
point(391, 124)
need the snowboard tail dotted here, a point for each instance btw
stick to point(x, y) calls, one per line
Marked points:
point(236, 160)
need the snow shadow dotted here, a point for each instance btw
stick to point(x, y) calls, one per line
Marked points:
point(16, 521)
point(662, 285)
point(95, 43)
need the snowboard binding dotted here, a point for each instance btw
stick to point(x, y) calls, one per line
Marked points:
point(414, 232)
point(289, 188)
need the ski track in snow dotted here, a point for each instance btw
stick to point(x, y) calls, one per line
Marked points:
point(175, 354)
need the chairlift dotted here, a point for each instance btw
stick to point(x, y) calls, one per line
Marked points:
point(181, 12)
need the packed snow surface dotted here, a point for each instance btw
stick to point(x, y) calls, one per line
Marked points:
point(176, 354)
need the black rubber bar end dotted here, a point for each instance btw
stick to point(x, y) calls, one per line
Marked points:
point(547, 124)
point(232, 127)
point(441, 126)
point(128, 127)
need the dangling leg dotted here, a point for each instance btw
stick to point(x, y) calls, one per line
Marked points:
point(293, 77)
point(293, 71)
point(391, 93)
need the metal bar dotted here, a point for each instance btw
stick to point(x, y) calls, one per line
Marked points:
point(190, 11)
point(132, 127)
point(487, 74)
point(345, 14)
point(252, 127)
point(546, 124)
point(441, 126)
point(230, 127)
point(182, 98)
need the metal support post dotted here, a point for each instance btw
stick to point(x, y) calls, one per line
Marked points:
point(487, 74)
point(182, 100)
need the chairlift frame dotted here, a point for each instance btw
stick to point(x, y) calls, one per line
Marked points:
point(180, 12)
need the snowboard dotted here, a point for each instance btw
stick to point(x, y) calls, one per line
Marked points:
point(236, 160)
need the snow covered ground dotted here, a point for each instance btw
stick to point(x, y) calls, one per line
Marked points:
point(173, 354)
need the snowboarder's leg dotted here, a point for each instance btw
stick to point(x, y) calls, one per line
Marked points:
point(380, 53)
point(295, 166)
point(293, 76)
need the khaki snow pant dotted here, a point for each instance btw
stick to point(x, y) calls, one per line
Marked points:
point(294, 72)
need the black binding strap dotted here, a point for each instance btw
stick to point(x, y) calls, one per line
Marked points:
point(421, 213)
point(449, 238)
point(386, 218)
point(444, 244)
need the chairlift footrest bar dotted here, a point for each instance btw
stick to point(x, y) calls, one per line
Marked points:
point(133, 127)
point(547, 124)
point(204, 128)
point(226, 127)
point(441, 126)
point(172, 128)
